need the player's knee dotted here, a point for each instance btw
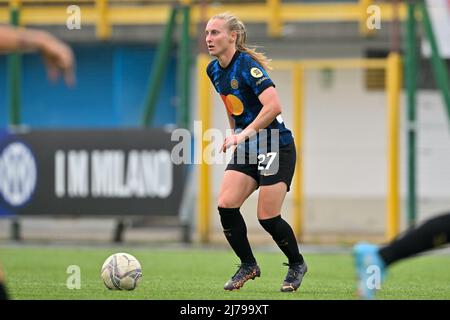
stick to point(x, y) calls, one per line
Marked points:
point(226, 203)
point(266, 209)
point(264, 214)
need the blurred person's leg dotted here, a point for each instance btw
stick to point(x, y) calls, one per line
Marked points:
point(427, 236)
point(3, 293)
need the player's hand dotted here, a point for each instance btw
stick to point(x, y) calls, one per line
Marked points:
point(58, 57)
point(230, 141)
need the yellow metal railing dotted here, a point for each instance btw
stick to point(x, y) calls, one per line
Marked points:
point(393, 68)
point(298, 89)
point(107, 13)
point(394, 87)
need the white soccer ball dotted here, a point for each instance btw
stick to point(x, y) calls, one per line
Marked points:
point(121, 271)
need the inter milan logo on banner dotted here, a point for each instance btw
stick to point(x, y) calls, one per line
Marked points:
point(18, 174)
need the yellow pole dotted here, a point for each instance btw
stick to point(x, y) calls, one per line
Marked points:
point(103, 29)
point(297, 196)
point(204, 190)
point(15, 4)
point(275, 25)
point(393, 81)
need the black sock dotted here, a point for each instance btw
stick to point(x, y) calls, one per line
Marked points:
point(283, 235)
point(235, 231)
point(429, 235)
point(3, 293)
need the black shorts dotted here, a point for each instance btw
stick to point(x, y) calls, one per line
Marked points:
point(267, 168)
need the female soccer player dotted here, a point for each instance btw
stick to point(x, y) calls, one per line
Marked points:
point(264, 151)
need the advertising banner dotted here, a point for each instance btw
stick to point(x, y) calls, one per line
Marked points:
point(89, 172)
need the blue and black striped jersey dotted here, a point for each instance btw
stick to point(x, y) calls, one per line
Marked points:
point(239, 85)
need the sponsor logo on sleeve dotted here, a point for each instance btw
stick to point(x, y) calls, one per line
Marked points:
point(256, 73)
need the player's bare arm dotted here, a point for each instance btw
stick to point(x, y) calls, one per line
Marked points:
point(57, 55)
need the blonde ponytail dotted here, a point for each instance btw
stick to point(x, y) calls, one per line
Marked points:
point(234, 24)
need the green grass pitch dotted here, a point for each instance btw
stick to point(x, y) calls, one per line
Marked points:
point(196, 274)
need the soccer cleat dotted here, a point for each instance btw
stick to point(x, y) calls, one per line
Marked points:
point(294, 277)
point(243, 274)
point(370, 269)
